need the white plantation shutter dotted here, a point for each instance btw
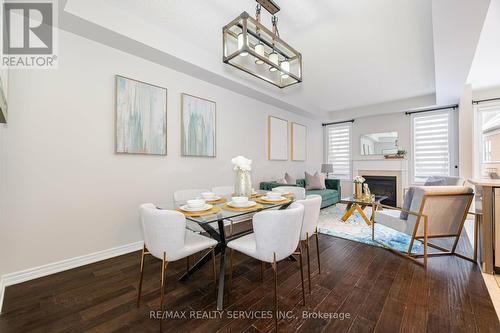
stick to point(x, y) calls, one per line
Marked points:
point(338, 143)
point(432, 145)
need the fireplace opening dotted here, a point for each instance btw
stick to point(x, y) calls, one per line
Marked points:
point(383, 185)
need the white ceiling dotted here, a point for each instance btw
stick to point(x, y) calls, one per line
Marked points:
point(356, 52)
point(485, 70)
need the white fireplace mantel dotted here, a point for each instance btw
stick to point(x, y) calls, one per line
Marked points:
point(384, 167)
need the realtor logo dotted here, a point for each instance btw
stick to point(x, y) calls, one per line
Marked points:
point(28, 34)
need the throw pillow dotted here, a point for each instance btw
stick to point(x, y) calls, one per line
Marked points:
point(314, 182)
point(323, 178)
point(435, 181)
point(290, 179)
point(407, 203)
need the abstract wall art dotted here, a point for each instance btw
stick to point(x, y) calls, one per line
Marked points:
point(198, 126)
point(141, 117)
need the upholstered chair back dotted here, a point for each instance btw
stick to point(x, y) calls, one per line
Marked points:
point(312, 206)
point(183, 195)
point(163, 230)
point(445, 206)
point(277, 231)
point(299, 193)
point(223, 191)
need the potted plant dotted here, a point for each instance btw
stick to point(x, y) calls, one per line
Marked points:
point(401, 153)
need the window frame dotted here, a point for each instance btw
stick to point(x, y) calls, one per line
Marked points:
point(326, 145)
point(452, 141)
point(479, 108)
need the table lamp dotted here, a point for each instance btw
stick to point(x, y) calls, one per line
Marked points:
point(326, 168)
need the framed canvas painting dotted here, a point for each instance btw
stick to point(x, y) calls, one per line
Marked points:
point(299, 142)
point(198, 127)
point(141, 117)
point(277, 139)
point(4, 79)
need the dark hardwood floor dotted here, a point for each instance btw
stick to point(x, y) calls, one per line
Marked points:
point(380, 291)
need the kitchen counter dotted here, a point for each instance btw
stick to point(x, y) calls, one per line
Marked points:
point(487, 202)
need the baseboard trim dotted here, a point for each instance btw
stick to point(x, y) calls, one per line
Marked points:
point(63, 265)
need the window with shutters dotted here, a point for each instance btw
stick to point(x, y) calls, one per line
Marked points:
point(338, 149)
point(488, 139)
point(433, 142)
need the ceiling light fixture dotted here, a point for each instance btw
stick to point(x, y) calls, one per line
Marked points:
point(251, 47)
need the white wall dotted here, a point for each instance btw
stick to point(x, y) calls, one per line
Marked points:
point(466, 134)
point(65, 192)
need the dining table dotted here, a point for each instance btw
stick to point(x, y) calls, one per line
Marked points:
point(213, 225)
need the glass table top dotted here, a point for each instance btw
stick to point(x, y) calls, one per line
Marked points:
point(376, 199)
point(222, 214)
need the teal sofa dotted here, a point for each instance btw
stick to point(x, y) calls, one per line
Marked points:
point(330, 196)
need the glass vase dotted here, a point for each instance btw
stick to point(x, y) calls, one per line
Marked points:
point(243, 183)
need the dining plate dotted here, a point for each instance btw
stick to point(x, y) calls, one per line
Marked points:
point(283, 193)
point(266, 198)
point(242, 205)
point(216, 198)
point(202, 209)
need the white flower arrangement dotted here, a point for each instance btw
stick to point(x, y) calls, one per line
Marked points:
point(242, 163)
point(358, 180)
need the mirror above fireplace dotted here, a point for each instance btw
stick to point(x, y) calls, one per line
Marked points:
point(379, 143)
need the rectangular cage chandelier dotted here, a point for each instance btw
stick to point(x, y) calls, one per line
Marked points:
point(251, 47)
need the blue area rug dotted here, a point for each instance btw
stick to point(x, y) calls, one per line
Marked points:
point(356, 229)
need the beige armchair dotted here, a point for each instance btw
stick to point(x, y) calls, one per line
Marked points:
point(435, 212)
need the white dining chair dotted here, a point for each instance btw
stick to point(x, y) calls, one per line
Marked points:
point(299, 193)
point(166, 238)
point(275, 237)
point(184, 195)
point(312, 206)
point(180, 197)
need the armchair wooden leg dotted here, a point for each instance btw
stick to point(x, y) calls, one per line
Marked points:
point(143, 254)
point(302, 274)
point(317, 251)
point(275, 269)
point(476, 231)
point(426, 230)
point(308, 262)
point(164, 265)
point(262, 264)
point(213, 267)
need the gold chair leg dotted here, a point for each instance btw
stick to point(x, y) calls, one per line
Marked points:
point(164, 265)
point(302, 274)
point(230, 269)
point(317, 251)
point(308, 262)
point(262, 271)
point(213, 267)
point(275, 269)
point(142, 275)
